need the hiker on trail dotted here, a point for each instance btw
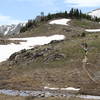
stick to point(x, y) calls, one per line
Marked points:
point(85, 47)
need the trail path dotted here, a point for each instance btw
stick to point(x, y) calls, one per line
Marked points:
point(85, 62)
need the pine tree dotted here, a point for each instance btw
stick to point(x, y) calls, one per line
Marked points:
point(49, 16)
point(65, 14)
point(71, 12)
point(80, 14)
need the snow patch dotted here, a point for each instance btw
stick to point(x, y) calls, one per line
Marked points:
point(51, 88)
point(63, 89)
point(95, 13)
point(70, 89)
point(7, 31)
point(13, 28)
point(89, 97)
point(63, 21)
point(7, 50)
point(92, 30)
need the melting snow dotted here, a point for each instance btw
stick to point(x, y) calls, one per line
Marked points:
point(51, 88)
point(95, 13)
point(92, 30)
point(89, 97)
point(63, 21)
point(65, 89)
point(7, 50)
point(70, 89)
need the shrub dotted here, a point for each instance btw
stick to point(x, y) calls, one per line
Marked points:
point(83, 34)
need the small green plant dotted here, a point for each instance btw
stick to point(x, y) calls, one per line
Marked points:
point(83, 34)
point(96, 36)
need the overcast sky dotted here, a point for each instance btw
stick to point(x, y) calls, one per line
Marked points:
point(15, 11)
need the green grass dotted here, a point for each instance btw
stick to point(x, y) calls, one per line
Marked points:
point(85, 24)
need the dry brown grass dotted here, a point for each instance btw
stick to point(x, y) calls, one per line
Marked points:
point(5, 97)
point(60, 73)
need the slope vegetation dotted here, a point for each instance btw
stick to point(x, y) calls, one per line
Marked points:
point(57, 64)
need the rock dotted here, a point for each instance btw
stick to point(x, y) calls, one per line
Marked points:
point(55, 41)
point(12, 57)
point(67, 30)
point(25, 56)
point(22, 51)
point(48, 94)
point(56, 56)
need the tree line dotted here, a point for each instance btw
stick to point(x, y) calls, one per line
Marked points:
point(73, 14)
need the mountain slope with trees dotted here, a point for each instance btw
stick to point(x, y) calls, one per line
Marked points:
point(59, 64)
point(72, 14)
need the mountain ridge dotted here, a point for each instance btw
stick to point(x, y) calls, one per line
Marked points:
point(95, 13)
point(10, 29)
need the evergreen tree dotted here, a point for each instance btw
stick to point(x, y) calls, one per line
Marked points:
point(80, 14)
point(71, 12)
point(66, 14)
point(49, 16)
point(77, 13)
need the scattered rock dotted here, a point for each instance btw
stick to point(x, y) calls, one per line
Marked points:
point(55, 41)
point(12, 57)
point(46, 53)
point(56, 56)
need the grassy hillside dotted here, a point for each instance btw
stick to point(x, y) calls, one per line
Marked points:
point(58, 64)
point(75, 27)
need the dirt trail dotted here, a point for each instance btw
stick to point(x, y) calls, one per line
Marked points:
point(85, 62)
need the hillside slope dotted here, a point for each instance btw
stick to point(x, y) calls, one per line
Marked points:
point(75, 27)
point(57, 64)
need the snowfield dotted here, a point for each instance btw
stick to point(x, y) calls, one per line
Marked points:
point(92, 30)
point(64, 89)
point(48, 88)
point(70, 89)
point(89, 97)
point(63, 21)
point(7, 50)
point(95, 13)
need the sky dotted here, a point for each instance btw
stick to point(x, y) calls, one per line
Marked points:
point(15, 11)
